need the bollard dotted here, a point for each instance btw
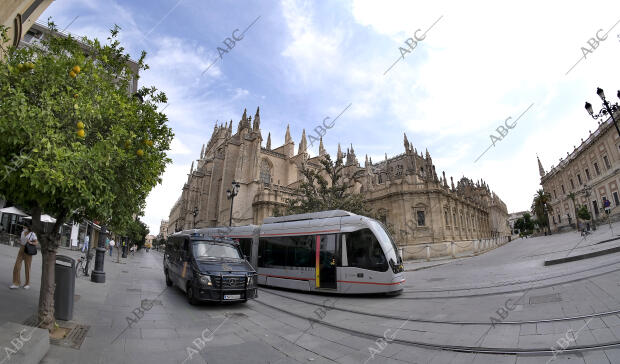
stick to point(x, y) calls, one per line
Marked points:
point(428, 253)
point(452, 247)
point(475, 246)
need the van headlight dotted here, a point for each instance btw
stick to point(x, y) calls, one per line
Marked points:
point(205, 281)
point(251, 280)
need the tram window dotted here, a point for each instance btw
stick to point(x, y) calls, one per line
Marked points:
point(364, 251)
point(292, 251)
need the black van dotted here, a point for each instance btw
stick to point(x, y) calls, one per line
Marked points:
point(208, 269)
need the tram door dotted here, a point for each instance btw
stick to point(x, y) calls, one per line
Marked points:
point(327, 260)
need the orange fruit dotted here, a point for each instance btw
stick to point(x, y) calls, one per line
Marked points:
point(30, 65)
point(149, 143)
point(81, 133)
point(72, 74)
point(20, 67)
point(80, 125)
point(76, 69)
point(75, 96)
point(127, 143)
point(140, 152)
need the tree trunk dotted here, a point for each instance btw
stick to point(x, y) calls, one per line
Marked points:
point(48, 246)
point(48, 286)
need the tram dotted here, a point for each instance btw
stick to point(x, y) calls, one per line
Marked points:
point(334, 251)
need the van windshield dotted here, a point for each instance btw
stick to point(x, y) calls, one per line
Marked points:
point(212, 250)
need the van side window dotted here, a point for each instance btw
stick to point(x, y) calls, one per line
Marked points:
point(364, 251)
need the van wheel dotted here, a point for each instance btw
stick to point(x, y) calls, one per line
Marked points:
point(191, 296)
point(168, 280)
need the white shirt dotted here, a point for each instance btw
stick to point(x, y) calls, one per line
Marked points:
point(27, 237)
point(112, 243)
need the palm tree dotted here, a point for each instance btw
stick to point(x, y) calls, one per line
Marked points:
point(572, 196)
point(540, 203)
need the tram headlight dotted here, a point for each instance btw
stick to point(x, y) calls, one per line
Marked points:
point(205, 281)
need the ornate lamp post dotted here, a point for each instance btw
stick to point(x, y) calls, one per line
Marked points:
point(230, 194)
point(98, 275)
point(608, 108)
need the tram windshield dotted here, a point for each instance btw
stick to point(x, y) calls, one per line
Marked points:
point(385, 236)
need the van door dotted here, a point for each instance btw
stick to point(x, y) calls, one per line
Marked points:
point(184, 269)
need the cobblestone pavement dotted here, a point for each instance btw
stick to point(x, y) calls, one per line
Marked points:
point(503, 306)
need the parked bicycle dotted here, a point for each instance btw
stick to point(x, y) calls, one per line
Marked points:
point(82, 264)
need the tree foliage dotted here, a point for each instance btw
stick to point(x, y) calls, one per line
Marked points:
point(525, 224)
point(76, 142)
point(324, 189)
point(540, 205)
point(583, 213)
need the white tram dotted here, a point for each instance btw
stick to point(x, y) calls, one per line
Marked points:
point(334, 251)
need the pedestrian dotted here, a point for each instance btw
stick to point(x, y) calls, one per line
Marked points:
point(86, 243)
point(112, 243)
point(27, 237)
point(133, 249)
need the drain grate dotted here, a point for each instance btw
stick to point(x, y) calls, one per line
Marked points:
point(548, 298)
point(134, 290)
point(75, 337)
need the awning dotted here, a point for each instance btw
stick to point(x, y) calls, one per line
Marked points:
point(44, 218)
point(13, 210)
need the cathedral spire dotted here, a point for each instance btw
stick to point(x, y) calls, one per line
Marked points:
point(322, 150)
point(230, 126)
point(191, 169)
point(303, 144)
point(339, 154)
point(256, 125)
point(287, 136)
point(202, 151)
point(406, 143)
point(268, 146)
point(541, 170)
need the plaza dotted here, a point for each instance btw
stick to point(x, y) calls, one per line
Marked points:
point(502, 306)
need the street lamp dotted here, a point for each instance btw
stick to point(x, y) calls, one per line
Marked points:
point(608, 108)
point(230, 194)
point(195, 212)
point(586, 191)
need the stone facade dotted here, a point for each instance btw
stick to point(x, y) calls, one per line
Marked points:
point(590, 171)
point(421, 208)
point(18, 16)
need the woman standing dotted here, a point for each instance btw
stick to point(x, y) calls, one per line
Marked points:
point(27, 237)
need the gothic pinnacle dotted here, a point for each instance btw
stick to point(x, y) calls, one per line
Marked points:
point(268, 146)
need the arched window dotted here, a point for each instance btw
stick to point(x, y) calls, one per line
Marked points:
point(265, 172)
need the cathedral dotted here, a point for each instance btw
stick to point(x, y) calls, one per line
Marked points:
point(426, 213)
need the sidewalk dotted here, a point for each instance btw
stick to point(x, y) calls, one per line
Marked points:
point(97, 305)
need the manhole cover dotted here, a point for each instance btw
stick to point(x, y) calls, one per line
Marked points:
point(555, 297)
point(436, 279)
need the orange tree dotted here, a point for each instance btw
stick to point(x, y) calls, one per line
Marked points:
point(75, 142)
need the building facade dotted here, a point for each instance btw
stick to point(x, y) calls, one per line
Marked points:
point(18, 16)
point(590, 172)
point(163, 230)
point(421, 208)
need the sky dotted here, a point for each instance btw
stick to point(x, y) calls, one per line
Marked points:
point(460, 71)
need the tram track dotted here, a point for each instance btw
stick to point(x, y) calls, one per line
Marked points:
point(441, 290)
point(444, 322)
point(453, 348)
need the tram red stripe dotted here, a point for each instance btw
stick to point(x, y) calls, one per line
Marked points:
point(382, 284)
point(312, 279)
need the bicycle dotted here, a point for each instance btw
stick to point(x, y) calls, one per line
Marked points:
point(82, 264)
